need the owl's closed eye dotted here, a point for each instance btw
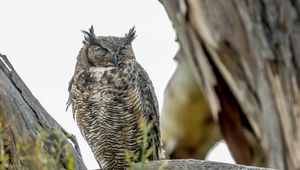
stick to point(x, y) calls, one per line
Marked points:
point(124, 50)
point(101, 51)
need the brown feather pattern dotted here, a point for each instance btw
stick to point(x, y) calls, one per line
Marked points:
point(108, 103)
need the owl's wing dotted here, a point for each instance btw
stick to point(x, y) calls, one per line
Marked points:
point(69, 90)
point(151, 111)
point(71, 102)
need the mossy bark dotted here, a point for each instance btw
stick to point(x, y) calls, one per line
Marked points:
point(31, 138)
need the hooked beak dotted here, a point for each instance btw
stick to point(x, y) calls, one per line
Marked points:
point(115, 60)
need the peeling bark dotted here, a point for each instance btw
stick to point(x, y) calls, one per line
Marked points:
point(245, 59)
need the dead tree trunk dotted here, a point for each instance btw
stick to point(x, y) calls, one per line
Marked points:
point(245, 58)
point(30, 137)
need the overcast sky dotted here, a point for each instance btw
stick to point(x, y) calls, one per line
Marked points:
point(42, 40)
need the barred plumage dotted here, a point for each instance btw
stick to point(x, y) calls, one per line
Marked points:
point(111, 95)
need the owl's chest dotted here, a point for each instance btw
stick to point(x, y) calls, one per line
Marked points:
point(96, 73)
point(109, 76)
point(110, 97)
point(106, 84)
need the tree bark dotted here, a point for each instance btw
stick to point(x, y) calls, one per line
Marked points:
point(191, 164)
point(245, 58)
point(23, 122)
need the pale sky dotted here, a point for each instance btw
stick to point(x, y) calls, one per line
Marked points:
point(42, 40)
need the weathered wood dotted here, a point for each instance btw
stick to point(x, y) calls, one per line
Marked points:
point(190, 164)
point(23, 120)
point(245, 58)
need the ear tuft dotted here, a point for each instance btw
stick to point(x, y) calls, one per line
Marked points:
point(89, 36)
point(130, 36)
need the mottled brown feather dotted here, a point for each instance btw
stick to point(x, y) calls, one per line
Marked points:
point(110, 94)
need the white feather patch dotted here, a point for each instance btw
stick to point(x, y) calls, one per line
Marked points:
point(97, 72)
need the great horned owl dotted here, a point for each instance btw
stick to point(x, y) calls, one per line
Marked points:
point(111, 95)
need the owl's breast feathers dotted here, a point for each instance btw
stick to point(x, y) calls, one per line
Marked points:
point(108, 105)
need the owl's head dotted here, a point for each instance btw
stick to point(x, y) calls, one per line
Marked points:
point(108, 51)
